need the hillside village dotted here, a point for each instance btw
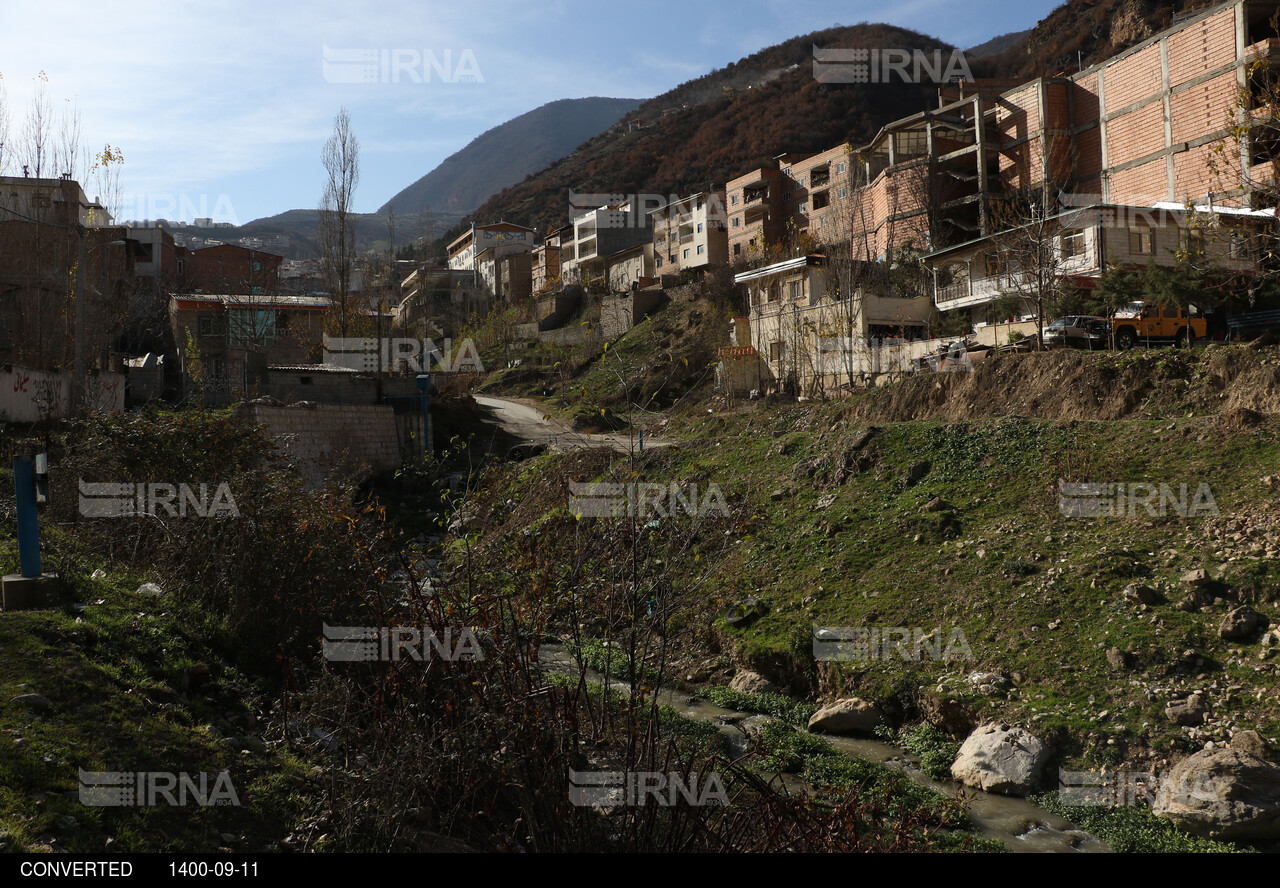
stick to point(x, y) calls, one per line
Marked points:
point(1009, 195)
point(863, 345)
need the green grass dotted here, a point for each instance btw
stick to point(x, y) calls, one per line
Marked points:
point(1130, 830)
point(113, 672)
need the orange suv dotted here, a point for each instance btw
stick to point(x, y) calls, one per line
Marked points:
point(1162, 323)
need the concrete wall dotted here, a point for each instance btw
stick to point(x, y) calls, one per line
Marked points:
point(618, 314)
point(31, 395)
point(328, 440)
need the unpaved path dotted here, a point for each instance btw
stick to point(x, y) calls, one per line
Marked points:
point(525, 420)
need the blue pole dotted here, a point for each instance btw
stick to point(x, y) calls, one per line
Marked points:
point(424, 386)
point(24, 480)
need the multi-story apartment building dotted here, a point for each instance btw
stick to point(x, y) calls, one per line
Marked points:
point(599, 233)
point(810, 338)
point(757, 212)
point(819, 186)
point(501, 237)
point(691, 232)
point(1156, 125)
point(546, 261)
point(230, 268)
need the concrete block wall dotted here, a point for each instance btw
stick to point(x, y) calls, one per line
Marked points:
point(620, 313)
point(325, 440)
point(28, 395)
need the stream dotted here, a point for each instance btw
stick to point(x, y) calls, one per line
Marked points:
point(1017, 823)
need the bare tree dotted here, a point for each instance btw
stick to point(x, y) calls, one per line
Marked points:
point(341, 158)
point(6, 146)
point(1028, 252)
point(35, 148)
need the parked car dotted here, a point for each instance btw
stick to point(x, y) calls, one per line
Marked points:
point(1080, 331)
point(1148, 322)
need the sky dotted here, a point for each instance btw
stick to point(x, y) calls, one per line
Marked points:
point(222, 109)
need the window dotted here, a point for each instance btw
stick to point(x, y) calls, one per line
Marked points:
point(699, 228)
point(252, 326)
point(1072, 243)
point(658, 259)
point(822, 221)
point(1170, 311)
point(777, 351)
point(737, 221)
point(211, 326)
point(786, 195)
point(686, 253)
point(737, 249)
point(699, 204)
point(787, 171)
point(257, 266)
point(1141, 241)
point(796, 290)
point(842, 192)
point(840, 168)
point(733, 200)
point(802, 207)
point(803, 182)
point(702, 248)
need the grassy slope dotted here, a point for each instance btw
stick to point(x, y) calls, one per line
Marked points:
point(1037, 594)
point(113, 671)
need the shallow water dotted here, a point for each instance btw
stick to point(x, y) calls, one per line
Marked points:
point(1020, 825)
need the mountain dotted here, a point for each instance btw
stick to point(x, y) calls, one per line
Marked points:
point(1080, 33)
point(997, 44)
point(508, 153)
point(729, 121)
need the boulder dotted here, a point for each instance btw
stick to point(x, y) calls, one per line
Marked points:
point(848, 716)
point(808, 468)
point(918, 471)
point(744, 613)
point(1240, 623)
point(1250, 742)
point(1000, 758)
point(1196, 579)
point(1225, 794)
point(1189, 712)
point(748, 682)
point(1117, 658)
point(1136, 593)
point(1195, 600)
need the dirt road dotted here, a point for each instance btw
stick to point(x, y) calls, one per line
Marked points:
point(524, 420)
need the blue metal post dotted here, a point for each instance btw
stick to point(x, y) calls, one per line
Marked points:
point(24, 480)
point(424, 386)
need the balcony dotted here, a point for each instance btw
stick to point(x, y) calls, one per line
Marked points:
point(975, 291)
